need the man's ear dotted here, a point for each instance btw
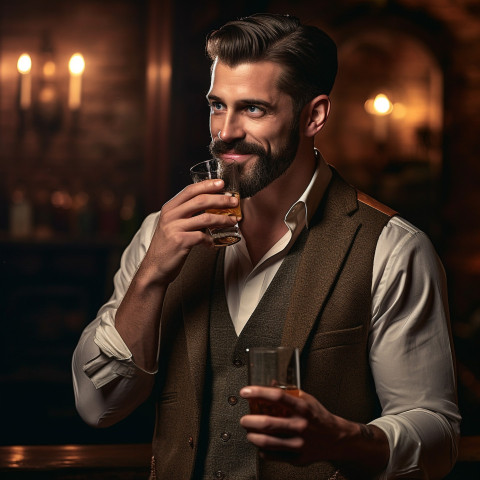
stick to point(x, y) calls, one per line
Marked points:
point(316, 113)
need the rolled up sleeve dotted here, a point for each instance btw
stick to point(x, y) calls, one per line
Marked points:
point(411, 355)
point(107, 383)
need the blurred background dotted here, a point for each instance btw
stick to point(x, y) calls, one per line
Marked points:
point(103, 110)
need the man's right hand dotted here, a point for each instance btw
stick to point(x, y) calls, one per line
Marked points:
point(182, 225)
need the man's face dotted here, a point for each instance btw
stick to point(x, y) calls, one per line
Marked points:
point(255, 120)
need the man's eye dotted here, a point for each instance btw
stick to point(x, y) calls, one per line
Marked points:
point(215, 106)
point(257, 111)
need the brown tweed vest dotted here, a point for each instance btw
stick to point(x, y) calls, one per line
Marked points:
point(229, 455)
point(328, 318)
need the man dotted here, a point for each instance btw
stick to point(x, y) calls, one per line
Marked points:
point(320, 266)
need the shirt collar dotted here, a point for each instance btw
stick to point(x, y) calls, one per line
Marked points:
point(301, 212)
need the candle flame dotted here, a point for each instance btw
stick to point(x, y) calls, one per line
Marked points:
point(24, 64)
point(382, 105)
point(76, 64)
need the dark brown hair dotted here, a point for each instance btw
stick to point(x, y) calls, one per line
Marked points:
point(308, 54)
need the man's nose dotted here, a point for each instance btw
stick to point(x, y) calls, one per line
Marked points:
point(231, 129)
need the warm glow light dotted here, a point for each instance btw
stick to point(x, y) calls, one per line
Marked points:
point(61, 199)
point(24, 64)
point(46, 95)
point(369, 106)
point(49, 69)
point(382, 105)
point(76, 64)
point(399, 110)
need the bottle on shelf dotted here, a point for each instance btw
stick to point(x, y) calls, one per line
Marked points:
point(20, 214)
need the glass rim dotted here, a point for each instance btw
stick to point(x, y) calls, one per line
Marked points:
point(210, 160)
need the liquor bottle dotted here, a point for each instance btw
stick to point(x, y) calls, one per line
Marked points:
point(20, 215)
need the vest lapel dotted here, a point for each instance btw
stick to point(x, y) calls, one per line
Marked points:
point(197, 273)
point(333, 230)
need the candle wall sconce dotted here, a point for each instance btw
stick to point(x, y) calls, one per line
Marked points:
point(381, 106)
point(42, 102)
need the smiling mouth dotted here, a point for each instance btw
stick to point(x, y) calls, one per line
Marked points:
point(234, 156)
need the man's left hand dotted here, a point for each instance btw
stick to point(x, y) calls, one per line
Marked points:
point(309, 433)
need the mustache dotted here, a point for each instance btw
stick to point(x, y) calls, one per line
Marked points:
point(217, 147)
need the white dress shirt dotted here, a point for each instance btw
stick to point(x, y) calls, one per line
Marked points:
point(409, 348)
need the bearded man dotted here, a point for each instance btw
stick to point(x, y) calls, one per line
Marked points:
point(321, 266)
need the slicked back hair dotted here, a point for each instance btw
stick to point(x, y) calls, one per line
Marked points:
point(306, 53)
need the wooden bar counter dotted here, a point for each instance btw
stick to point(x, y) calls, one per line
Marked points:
point(75, 462)
point(132, 461)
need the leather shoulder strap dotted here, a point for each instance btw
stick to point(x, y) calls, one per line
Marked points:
point(367, 200)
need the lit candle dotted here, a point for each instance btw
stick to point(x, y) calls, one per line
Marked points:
point(24, 66)
point(382, 105)
point(379, 107)
point(76, 66)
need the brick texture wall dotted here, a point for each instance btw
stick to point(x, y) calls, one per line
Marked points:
point(100, 150)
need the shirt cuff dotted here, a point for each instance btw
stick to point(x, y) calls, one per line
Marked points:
point(405, 446)
point(115, 358)
point(102, 370)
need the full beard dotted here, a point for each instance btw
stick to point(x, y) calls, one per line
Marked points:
point(269, 165)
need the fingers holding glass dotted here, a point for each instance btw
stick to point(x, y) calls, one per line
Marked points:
point(212, 169)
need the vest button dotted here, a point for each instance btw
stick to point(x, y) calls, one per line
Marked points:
point(190, 441)
point(219, 474)
point(232, 400)
point(225, 436)
point(237, 362)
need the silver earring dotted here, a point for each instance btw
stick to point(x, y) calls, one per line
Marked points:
point(218, 134)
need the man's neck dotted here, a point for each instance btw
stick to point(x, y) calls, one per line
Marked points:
point(263, 221)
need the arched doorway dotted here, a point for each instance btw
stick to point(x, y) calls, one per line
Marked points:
point(391, 151)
